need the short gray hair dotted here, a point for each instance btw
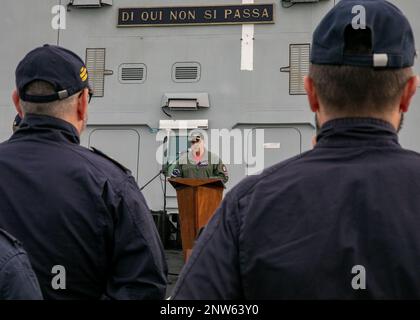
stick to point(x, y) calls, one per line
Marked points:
point(57, 109)
point(356, 91)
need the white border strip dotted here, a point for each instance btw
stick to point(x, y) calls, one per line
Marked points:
point(247, 45)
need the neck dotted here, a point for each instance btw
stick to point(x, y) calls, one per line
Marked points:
point(394, 118)
point(77, 124)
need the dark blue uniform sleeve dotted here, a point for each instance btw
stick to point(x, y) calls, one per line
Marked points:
point(139, 269)
point(213, 269)
point(17, 279)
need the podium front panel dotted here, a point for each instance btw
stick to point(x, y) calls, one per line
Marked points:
point(208, 200)
point(187, 216)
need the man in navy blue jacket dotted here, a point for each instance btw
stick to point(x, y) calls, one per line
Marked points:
point(80, 215)
point(341, 221)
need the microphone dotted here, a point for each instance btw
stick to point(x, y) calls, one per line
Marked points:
point(185, 151)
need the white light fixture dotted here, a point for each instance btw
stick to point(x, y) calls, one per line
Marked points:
point(185, 101)
point(90, 3)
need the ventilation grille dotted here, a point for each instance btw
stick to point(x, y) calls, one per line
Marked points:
point(186, 72)
point(132, 73)
point(299, 67)
point(95, 63)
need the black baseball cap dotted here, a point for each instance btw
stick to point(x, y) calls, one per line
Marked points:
point(392, 39)
point(60, 67)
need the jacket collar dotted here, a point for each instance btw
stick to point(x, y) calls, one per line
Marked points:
point(357, 131)
point(49, 127)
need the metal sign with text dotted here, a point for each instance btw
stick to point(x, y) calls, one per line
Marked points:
point(196, 15)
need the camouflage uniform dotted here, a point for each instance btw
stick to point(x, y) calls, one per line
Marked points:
point(187, 167)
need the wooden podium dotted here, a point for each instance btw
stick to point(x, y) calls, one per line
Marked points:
point(198, 199)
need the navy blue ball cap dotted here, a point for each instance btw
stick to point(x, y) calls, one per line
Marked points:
point(391, 36)
point(60, 67)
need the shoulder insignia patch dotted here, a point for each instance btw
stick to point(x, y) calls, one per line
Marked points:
point(176, 173)
point(119, 165)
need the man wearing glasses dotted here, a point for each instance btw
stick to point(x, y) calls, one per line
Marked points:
point(80, 215)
